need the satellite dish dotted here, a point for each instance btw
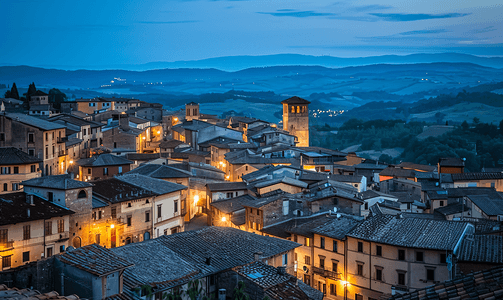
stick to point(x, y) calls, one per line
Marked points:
point(306, 270)
point(335, 209)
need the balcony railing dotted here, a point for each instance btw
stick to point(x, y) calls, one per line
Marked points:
point(6, 246)
point(326, 273)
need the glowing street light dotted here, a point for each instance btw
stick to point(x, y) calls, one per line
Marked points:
point(196, 199)
point(112, 226)
point(224, 219)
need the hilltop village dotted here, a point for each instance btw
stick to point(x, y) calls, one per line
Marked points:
point(119, 199)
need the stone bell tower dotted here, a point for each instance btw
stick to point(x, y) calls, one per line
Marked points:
point(296, 119)
point(191, 111)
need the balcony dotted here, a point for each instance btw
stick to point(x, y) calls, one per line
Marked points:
point(6, 246)
point(61, 153)
point(326, 273)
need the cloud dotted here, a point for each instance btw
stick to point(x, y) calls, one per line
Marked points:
point(168, 22)
point(371, 7)
point(483, 30)
point(296, 13)
point(417, 32)
point(415, 17)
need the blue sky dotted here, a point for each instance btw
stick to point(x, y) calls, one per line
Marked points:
point(95, 33)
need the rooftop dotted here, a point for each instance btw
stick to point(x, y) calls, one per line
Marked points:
point(59, 182)
point(94, 259)
point(477, 176)
point(103, 160)
point(285, 180)
point(451, 162)
point(33, 121)
point(482, 249)
point(338, 227)
point(14, 156)
point(154, 185)
point(115, 191)
point(30, 294)
point(491, 205)
point(14, 208)
point(226, 186)
point(160, 171)
point(231, 205)
point(487, 284)
point(295, 100)
point(411, 232)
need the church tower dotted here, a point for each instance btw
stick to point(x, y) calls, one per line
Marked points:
point(296, 119)
point(191, 111)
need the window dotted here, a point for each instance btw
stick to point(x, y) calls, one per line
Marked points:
point(85, 131)
point(120, 170)
point(334, 267)
point(99, 214)
point(230, 195)
point(105, 171)
point(2, 137)
point(401, 254)
point(98, 238)
point(401, 278)
point(82, 194)
point(295, 238)
point(129, 220)
point(441, 202)
point(165, 232)
point(322, 243)
point(378, 250)
point(359, 269)
point(307, 260)
point(31, 152)
point(333, 289)
point(16, 170)
point(307, 243)
point(419, 256)
point(26, 256)
point(285, 259)
point(26, 232)
point(89, 171)
point(175, 207)
point(293, 109)
point(46, 136)
point(15, 186)
point(49, 252)
point(61, 226)
point(4, 235)
point(307, 279)
point(360, 247)
point(50, 196)
point(61, 248)
point(322, 262)
point(443, 258)
point(6, 262)
point(147, 216)
point(114, 212)
point(378, 273)
point(5, 187)
point(159, 211)
point(334, 247)
point(298, 109)
point(366, 205)
point(258, 211)
point(430, 274)
point(48, 228)
point(358, 297)
point(33, 168)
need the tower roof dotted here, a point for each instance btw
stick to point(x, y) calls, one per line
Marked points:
point(295, 100)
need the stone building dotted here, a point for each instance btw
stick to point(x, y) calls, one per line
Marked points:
point(296, 119)
point(36, 137)
point(102, 167)
point(16, 166)
point(191, 111)
point(31, 228)
point(74, 195)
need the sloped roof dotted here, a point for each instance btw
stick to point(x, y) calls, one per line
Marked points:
point(337, 228)
point(410, 232)
point(171, 144)
point(482, 248)
point(226, 186)
point(154, 185)
point(233, 204)
point(295, 100)
point(476, 176)
point(115, 191)
point(33, 121)
point(39, 93)
point(94, 259)
point(451, 162)
point(14, 156)
point(160, 171)
point(282, 229)
point(266, 199)
point(14, 209)
point(285, 180)
point(487, 284)
point(72, 119)
point(452, 208)
point(491, 205)
point(417, 167)
point(103, 160)
point(59, 182)
point(398, 172)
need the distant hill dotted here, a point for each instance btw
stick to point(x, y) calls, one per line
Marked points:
point(235, 63)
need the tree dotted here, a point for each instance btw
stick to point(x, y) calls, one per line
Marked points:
point(385, 158)
point(31, 90)
point(476, 120)
point(56, 97)
point(501, 127)
point(465, 125)
point(13, 92)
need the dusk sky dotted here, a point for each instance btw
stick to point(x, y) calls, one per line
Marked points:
point(96, 33)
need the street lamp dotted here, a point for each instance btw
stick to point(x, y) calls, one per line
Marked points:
point(224, 219)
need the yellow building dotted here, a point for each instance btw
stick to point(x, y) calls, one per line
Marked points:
point(296, 119)
point(15, 167)
point(31, 228)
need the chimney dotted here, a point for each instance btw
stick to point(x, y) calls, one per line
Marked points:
point(281, 270)
point(256, 256)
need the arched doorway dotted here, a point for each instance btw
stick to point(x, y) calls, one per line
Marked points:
point(77, 242)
